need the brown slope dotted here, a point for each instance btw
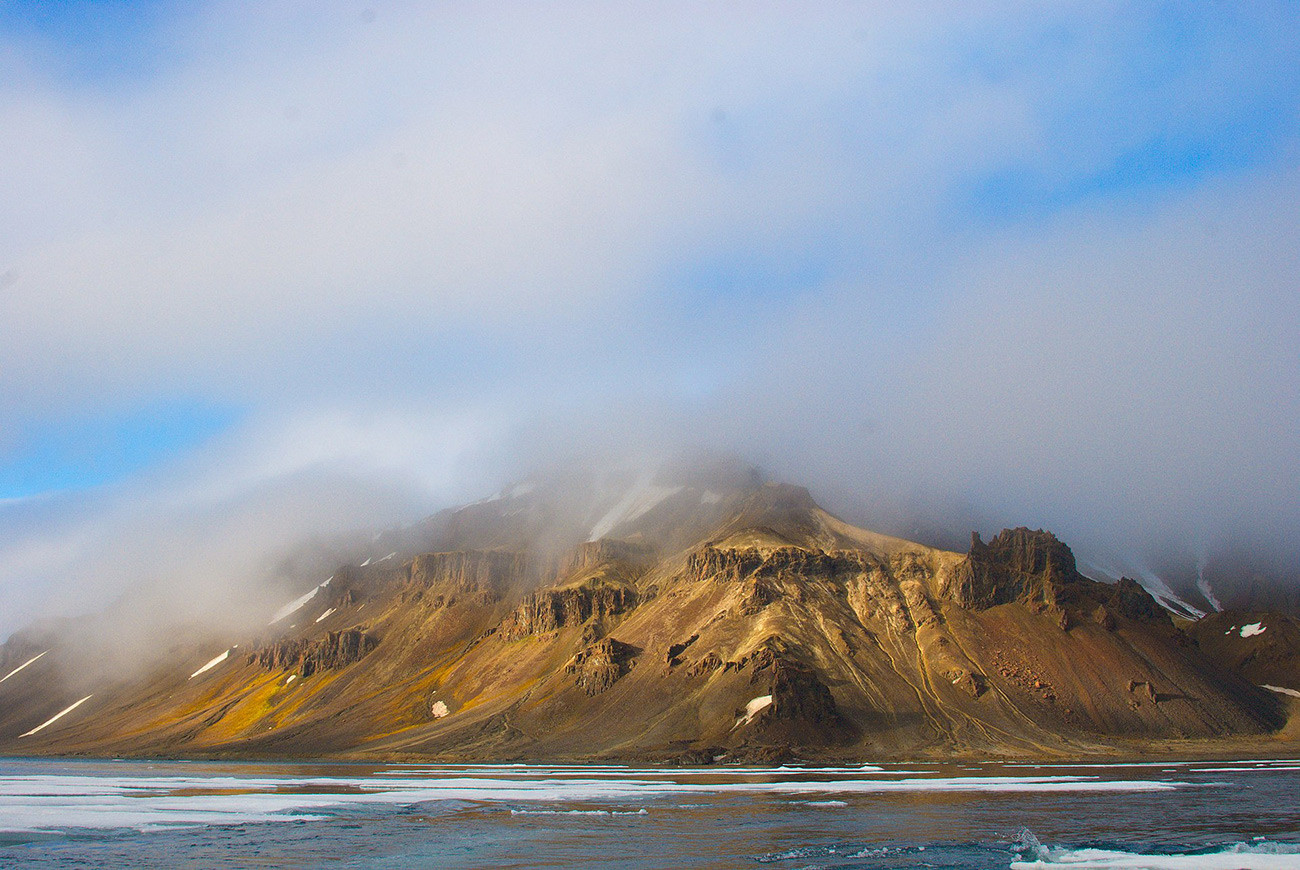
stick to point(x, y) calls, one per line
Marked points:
point(1262, 646)
point(779, 629)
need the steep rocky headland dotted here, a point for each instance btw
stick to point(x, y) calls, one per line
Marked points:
point(741, 622)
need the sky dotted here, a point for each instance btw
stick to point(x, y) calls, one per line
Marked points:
point(270, 270)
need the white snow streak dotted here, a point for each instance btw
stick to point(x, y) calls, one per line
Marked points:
point(56, 717)
point(1281, 690)
point(638, 501)
point(324, 615)
point(20, 667)
point(1253, 629)
point(212, 664)
point(1204, 585)
point(293, 606)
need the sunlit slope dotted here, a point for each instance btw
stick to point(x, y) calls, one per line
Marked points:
point(741, 621)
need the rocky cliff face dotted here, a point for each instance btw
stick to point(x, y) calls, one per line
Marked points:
point(1035, 569)
point(304, 657)
point(483, 576)
point(1017, 565)
point(599, 666)
point(552, 609)
point(588, 557)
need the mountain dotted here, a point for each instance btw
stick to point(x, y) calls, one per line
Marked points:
point(678, 616)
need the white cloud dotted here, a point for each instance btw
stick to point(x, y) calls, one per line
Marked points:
point(451, 237)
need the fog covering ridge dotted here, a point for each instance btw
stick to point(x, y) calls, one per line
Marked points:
point(950, 270)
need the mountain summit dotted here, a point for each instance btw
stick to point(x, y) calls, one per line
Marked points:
point(658, 617)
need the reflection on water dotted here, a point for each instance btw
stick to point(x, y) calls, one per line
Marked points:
point(167, 814)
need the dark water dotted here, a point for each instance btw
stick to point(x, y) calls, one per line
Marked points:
point(191, 815)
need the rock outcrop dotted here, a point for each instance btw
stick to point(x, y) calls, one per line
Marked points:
point(1035, 569)
point(482, 576)
point(337, 649)
point(599, 666)
point(1018, 565)
point(552, 609)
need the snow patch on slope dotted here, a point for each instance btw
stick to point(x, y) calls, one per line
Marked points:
point(1160, 590)
point(56, 717)
point(753, 708)
point(638, 501)
point(1204, 585)
point(1150, 581)
point(212, 664)
point(23, 665)
point(297, 604)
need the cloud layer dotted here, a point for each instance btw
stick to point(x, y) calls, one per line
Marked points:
point(1017, 264)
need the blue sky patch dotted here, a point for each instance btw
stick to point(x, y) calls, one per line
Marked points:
point(92, 451)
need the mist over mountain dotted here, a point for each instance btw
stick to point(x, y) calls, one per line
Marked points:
point(687, 612)
point(270, 276)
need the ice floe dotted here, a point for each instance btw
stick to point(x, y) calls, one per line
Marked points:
point(607, 813)
point(59, 802)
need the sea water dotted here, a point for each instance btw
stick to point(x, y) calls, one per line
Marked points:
point(109, 813)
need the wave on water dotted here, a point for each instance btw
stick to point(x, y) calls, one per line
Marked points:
point(605, 813)
point(1259, 854)
point(840, 851)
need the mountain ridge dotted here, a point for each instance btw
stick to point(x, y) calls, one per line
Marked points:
point(739, 621)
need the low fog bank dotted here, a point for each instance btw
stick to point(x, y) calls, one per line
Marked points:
point(189, 554)
point(223, 538)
